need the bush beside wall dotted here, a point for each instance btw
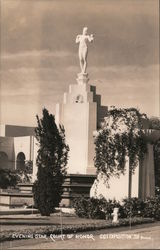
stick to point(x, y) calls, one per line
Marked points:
point(133, 207)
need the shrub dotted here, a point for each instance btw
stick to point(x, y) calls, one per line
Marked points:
point(81, 207)
point(88, 208)
point(108, 207)
point(133, 207)
point(95, 209)
point(24, 172)
point(152, 207)
point(8, 178)
point(136, 207)
point(157, 191)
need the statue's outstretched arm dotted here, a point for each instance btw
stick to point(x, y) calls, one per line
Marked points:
point(90, 38)
point(78, 39)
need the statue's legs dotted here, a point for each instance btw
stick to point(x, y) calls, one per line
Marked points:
point(84, 67)
point(85, 52)
point(81, 65)
point(83, 59)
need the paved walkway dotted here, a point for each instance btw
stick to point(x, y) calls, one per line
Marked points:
point(138, 237)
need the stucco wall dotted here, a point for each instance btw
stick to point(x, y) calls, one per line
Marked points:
point(14, 131)
point(7, 147)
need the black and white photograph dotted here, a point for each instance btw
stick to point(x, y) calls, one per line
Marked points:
point(79, 124)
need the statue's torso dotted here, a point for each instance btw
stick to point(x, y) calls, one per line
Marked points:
point(83, 41)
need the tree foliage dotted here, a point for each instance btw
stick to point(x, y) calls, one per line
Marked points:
point(24, 172)
point(120, 135)
point(51, 161)
point(8, 178)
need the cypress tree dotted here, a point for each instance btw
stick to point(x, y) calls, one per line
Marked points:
point(51, 162)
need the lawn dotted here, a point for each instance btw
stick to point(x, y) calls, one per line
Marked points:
point(12, 227)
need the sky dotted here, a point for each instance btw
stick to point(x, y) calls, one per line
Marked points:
point(39, 56)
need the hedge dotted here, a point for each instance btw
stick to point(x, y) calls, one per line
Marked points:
point(133, 207)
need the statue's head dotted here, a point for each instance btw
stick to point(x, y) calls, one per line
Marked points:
point(85, 30)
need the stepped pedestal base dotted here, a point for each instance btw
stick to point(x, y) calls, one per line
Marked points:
point(82, 78)
point(75, 186)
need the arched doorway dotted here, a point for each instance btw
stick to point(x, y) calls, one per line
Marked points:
point(3, 160)
point(20, 162)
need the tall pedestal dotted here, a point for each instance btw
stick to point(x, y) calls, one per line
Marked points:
point(78, 114)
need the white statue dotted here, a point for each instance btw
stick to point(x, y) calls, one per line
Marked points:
point(83, 49)
point(115, 215)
